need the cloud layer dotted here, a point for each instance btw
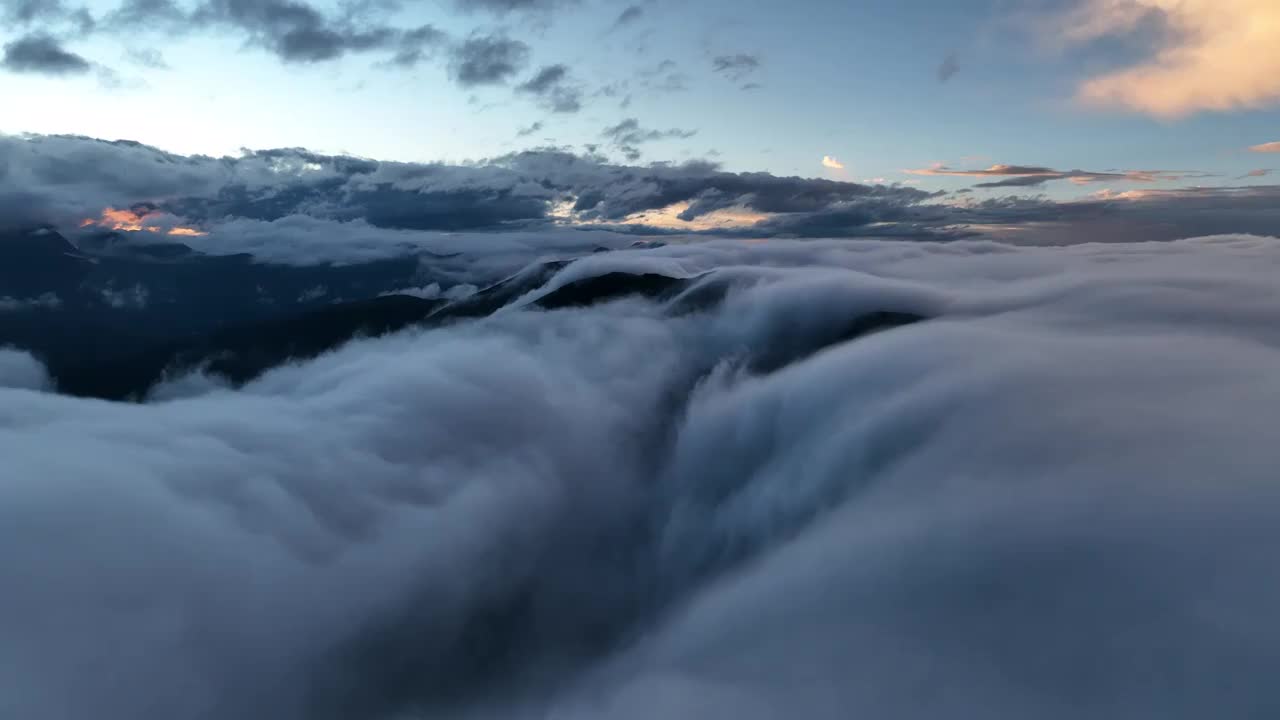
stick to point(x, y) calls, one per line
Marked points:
point(624, 511)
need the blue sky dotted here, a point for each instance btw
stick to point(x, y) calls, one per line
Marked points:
point(857, 81)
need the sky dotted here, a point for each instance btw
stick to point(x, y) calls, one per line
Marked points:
point(1070, 98)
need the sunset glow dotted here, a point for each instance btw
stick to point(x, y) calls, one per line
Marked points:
point(128, 220)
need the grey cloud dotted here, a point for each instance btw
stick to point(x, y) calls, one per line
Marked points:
point(419, 44)
point(62, 180)
point(629, 133)
point(948, 68)
point(147, 57)
point(46, 13)
point(295, 31)
point(553, 89)
point(488, 60)
point(735, 67)
point(527, 131)
point(248, 202)
point(629, 15)
point(41, 54)
point(503, 7)
point(134, 15)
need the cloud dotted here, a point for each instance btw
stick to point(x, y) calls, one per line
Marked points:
point(20, 370)
point(295, 31)
point(627, 134)
point(527, 131)
point(293, 206)
point(133, 15)
point(948, 68)
point(503, 7)
point(419, 44)
point(831, 163)
point(42, 55)
point(147, 58)
point(735, 67)
point(46, 13)
point(1271, 147)
point(553, 89)
point(629, 15)
point(708, 506)
point(1258, 173)
point(488, 60)
point(250, 203)
point(1032, 175)
point(1218, 55)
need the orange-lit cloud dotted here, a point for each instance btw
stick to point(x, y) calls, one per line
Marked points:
point(1031, 175)
point(1271, 147)
point(140, 220)
point(831, 163)
point(1221, 55)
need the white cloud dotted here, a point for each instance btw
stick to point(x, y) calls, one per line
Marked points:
point(831, 163)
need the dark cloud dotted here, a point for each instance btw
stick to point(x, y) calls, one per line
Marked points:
point(948, 68)
point(42, 54)
point(488, 60)
point(527, 131)
point(628, 134)
point(296, 31)
point(735, 67)
point(553, 89)
point(62, 180)
point(629, 15)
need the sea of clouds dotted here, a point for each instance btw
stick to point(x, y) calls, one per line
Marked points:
point(1054, 497)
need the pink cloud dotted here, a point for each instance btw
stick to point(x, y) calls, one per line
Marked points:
point(1271, 147)
point(1221, 55)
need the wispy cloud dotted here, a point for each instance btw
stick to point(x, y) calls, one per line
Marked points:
point(1271, 147)
point(949, 67)
point(735, 67)
point(1032, 175)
